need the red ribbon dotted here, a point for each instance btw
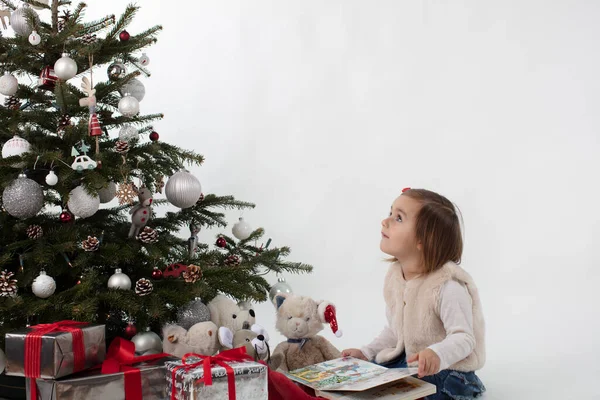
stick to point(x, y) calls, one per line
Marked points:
point(119, 358)
point(207, 362)
point(33, 348)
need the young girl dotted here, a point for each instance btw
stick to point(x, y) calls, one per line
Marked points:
point(432, 305)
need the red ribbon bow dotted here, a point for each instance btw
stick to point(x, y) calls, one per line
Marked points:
point(119, 358)
point(207, 362)
point(33, 348)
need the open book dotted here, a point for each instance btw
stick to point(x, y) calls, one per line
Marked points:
point(348, 374)
point(408, 388)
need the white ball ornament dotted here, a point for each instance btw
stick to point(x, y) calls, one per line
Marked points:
point(144, 59)
point(65, 67)
point(43, 286)
point(35, 38)
point(119, 280)
point(183, 189)
point(8, 84)
point(51, 178)
point(129, 106)
point(241, 229)
point(128, 133)
point(15, 147)
point(82, 204)
point(19, 22)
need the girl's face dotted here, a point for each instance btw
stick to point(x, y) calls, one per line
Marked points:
point(398, 230)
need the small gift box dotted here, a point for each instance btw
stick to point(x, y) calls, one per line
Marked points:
point(231, 375)
point(47, 79)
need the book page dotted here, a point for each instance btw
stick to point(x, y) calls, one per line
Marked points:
point(408, 388)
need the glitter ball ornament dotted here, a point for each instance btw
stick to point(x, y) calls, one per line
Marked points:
point(23, 198)
point(34, 38)
point(90, 244)
point(192, 274)
point(157, 274)
point(154, 136)
point(135, 88)
point(124, 36)
point(193, 312)
point(121, 147)
point(116, 71)
point(15, 147)
point(130, 330)
point(8, 285)
point(221, 242)
point(148, 235)
point(119, 280)
point(43, 286)
point(82, 204)
point(129, 106)
point(51, 178)
point(66, 216)
point(34, 232)
point(280, 287)
point(19, 21)
point(108, 193)
point(183, 189)
point(147, 343)
point(241, 229)
point(8, 84)
point(143, 287)
point(128, 133)
point(65, 67)
point(232, 260)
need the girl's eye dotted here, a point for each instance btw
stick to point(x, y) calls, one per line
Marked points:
point(399, 219)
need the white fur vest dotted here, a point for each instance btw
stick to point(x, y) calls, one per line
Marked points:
point(414, 314)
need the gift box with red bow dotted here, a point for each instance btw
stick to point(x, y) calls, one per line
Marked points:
point(231, 374)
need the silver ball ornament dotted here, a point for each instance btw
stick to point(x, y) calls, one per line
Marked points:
point(23, 198)
point(183, 189)
point(192, 313)
point(8, 84)
point(280, 287)
point(135, 88)
point(82, 204)
point(147, 343)
point(51, 178)
point(129, 106)
point(108, 193)
point(128, 133)
point(35, 38)
point(65, 67)
point(119, 280)
point(43, 286)
point(116, 71)
point(241, 229)
point(19, 23)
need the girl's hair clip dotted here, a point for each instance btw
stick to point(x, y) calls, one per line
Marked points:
point(405, 189)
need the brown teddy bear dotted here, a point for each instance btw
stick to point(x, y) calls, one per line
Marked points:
point(300, 318)
point(201, 338)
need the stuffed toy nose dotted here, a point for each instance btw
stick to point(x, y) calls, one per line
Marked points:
point(261, 338)
point(246, 325)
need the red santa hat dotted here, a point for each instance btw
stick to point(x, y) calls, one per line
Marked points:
point(327, 315)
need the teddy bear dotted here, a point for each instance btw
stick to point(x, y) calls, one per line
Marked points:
point(299, 319)
point(201, 338)
point(228, 313)
point(141, 213)
point(255, 340)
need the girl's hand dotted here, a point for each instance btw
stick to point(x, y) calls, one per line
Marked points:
point(356, 353)
point(429, 362)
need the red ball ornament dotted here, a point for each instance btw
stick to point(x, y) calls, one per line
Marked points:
point(124, 36)
point(66, 216)
point(131, 330)
point(221, 242)
point(157, 274)
point(154, 136)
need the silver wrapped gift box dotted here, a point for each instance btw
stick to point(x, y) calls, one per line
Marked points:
point(56, 356)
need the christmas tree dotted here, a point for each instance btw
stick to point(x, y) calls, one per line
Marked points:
point(72, 145)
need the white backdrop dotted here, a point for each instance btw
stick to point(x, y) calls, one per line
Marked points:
point(320, 112)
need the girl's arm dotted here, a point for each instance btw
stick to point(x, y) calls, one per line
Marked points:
point(386, 339)
point(456, 313)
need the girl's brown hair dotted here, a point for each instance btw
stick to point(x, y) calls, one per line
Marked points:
point(437, 228)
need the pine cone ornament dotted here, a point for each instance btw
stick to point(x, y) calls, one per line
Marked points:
point(89, 39)
point(143, 287)
point(34, 232)
point(121, 147)
point(12, 102)
point(63, 122)
point(8, 286)
point(192, 273)
point(232, 260)
point(63, 19)
point(148, 235)
point(90, 244)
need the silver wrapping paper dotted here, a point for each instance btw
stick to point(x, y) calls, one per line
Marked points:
point(251, 382)
point(92, 385)
point(57, 351)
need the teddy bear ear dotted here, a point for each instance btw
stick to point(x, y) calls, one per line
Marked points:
point(225, 337)
point(279, 299)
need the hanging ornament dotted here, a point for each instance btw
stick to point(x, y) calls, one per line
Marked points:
point(66, 216)
point(82, 162)
point(148, 235)
point(192, 274)
point(89, 39)
point(12, 103)
point(193, 312)
point(119, 280)
point(135, 88)
point(47, 79)
point(154, 136)
point(193, 239)
point(183, 189)
point(34, 232)
point(280, 287)
point(160, 184)
point(65, 67)
point(23, 198)
point(130, 330)
point(157, 274)
point(232, 260)
point(201, 198)
point(108, 193)
point(63, 122)
point(144, 60)
point(90, 244)
point(43, 286)
point(121, 147)
point(129, 106)
point(128, 133)
point(127, 193)
point(141, 212)
point(19, 21)
point(8, 84)
point(15, 147)
point(124, 36)
point(221, 242)
point(51, 178)
point(8, 285)
point(82, 204)
point(63, 20)
point(94, 128)
point(241, 230)
point(147, 343)
point(143, 287)
point(116, 71)
point(34, 38)
point(40, 1)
